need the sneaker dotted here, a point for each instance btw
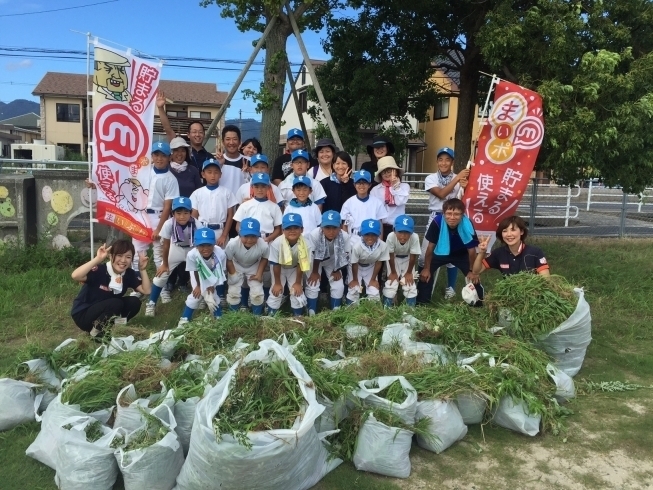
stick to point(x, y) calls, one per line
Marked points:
point(150, 309)
point(136, 294)
point(182, 321)
point(165, 297)
point(449, 293)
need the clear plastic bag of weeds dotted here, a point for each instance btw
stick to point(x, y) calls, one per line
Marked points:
point(445, 425)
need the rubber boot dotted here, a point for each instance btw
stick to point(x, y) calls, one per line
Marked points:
point(188, 313)
point(334, 303)
point(234, 307)
point(272, 311)
point(155, 293)
point(244, 298)
point(311, 304)
point(297, 311)
point(257, 309)
point(412, 302)
point(388, 302)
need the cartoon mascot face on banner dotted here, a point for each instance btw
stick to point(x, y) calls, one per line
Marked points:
point(132, 197)
point(110, 77)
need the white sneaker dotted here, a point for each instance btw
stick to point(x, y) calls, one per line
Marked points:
point(165, 296)
point(449, 293)
point(136, 294)
point(182, 321)
point(150, 309)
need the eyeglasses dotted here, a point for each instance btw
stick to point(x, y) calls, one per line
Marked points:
point(453, 214)
point(197, 132)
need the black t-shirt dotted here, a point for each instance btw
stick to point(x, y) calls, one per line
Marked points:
point(372, 168)
point(282, 166)
point(529, 259)
point(456, 245)
point(197, 158)
point(96, 287)
point(336, 194)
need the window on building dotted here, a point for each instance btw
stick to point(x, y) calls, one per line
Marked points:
point(303, 75)
point(303, 101)
point(68, 113)
point(200, 115)
point(177, 113)
point(441, 109)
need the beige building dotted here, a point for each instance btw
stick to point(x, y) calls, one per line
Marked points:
point(64, 111)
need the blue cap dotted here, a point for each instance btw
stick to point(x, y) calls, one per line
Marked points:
point(299, 154)
point(295, 133)
point(362, 175)
point(370, 226)
point(404, 223)
point(302, 179)
point(291, 219)
point(161, 146)
point(211, 161)
point(258, 158)
point(182, 203)
point(331, 218)
point(204, 236)
point(447, 150)
point(260, 178)
point(250, 226)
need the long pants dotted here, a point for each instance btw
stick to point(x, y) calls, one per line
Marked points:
point(390, 288)
point(193, 302)
point(461, 261)
point(157, 245)
point(288, 277)
point(336, 288)
point(100, 314)
point(176, 256)
point(241, 277)
point(365, 273)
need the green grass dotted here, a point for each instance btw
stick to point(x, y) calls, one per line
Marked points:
point(35, 305)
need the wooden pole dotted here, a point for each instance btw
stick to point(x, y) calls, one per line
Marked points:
point(295, 97)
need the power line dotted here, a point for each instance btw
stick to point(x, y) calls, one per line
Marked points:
point(58, 10)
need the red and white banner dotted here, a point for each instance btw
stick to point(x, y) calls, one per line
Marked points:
point(124, 90)
point(507, 150)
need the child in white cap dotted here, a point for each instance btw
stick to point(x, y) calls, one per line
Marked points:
point(301, 204)
point(367, 259)
point(404, 249)
point(392, 192)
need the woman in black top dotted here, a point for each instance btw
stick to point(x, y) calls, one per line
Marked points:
point(102, 297)
point(339, 186)
point(188, 177)
point(381, 147)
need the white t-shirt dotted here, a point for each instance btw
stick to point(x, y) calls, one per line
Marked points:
point(232, 177)
point(275, 247)
point(411, 247)
point(246, 257)
point(244, 193)
point(311, 216)
point(355, 211)
point(212, 205)
point(162, 188)
point(400, 195)
point(266, 212)
point(315, 236)
point(194, 255)
point(317, 194)
point(320, 173)
point(435, 203)
point(166, 232)
point(361, 254)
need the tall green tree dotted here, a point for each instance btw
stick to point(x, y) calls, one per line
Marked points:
point(255, 15)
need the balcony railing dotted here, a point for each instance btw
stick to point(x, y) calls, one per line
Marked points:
point(180, 124)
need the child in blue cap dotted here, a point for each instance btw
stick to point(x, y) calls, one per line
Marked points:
point(362, 206)
point(367, 259)
point(300, 162)
point(258, 164)
point(247, 259)
point(290, 259)
point(404, 249)
point(261, 208)
point(301, 204)
point(206, 264)
point(177, 235)
point(331, 251)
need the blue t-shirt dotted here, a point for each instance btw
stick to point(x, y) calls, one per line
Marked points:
point(456, 245)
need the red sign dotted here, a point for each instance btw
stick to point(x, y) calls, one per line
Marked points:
point(507, 150)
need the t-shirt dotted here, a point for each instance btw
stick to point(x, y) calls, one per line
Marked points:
point(244, 193)
point(361, 254)
point(435, 203)
point(318, 174)
point(166, 232)
point(456, 245)
point(311, 216)
point(275, 248)
point(266, 212)
point(315, 236)
point(96, 287)
point(232, 175)
point(188, 180)
point(283, 167)
point(212, 205)
point(218, 259)
point(400, 195)
point(317, 194)
point(246, 257)
point(529, 259)
point(163, 187)
point(355, 211)
point(411, 247)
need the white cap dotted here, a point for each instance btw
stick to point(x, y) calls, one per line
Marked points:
point(106, 56)
point(178, 142)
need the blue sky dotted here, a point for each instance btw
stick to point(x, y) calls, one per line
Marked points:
point(157, 27)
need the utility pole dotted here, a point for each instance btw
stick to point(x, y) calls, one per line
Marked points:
point(240, 119)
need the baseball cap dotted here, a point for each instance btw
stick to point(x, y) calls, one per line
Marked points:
point(258, 158)
point(404, 223)
point(161, 146)
point(299, 154)
point(302, 179)
point(446, 150)
point(204, 236)
point(260, 178)
point(331, 218)
point(295, 133)
point(291, 219)
point(181, 203)
point(211, 161)
point(250, 226)
point(178, 142)
point(370, 226)
point(362, 175)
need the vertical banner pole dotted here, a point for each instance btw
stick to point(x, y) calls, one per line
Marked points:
point(89, 136)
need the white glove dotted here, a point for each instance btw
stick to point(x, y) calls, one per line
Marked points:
point(210, 302)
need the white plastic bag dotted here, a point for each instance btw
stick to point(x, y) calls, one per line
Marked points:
point(405, 410)
point(568, 343)
point(334, 413)
point(164, 339)
point(396, 334)
point(471, 407)
point(382, 449)
point(565, 387)
point(446, 425)
point(84, 465)
point(515, 416)
point(401, 335)
point(284, 459)
point(130, 408)
point(18, 402)
point(184, 411)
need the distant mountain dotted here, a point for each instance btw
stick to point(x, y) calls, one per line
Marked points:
point(18, 107)
point(249, 128)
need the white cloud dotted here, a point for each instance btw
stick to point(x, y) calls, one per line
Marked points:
point(19, 65)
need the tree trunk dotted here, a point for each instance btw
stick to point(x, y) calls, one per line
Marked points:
point(467, 100)
point(273, 88)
